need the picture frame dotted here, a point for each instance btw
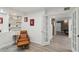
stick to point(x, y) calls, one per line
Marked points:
point(32, 22)
point(1, 20)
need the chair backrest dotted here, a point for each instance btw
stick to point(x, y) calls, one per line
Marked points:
point(23, 34)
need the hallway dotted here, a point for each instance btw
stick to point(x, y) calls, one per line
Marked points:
point(60, 43)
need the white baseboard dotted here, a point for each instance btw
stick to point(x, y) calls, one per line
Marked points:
point(36, 42)
point(41, 43)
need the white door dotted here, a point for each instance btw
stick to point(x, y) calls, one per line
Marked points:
point(75, 30)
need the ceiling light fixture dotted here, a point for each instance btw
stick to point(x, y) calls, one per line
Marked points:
point(65, 21)
point(53, 17)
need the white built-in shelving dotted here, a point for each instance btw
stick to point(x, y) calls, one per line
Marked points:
point(15, 23)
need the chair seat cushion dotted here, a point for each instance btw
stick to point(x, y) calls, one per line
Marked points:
point(23, 39)
point(22, 43)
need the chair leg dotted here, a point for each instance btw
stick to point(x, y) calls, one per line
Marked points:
point(27, 46)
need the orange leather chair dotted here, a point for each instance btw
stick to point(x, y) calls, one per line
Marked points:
point(23, 40)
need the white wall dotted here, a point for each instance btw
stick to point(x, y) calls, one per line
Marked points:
point(50, 36)
point(50, 27)
point(34, 32)
point(5, 27)
point(58, 27)
point(6, 37)
point(70, 28)
point(37, 33)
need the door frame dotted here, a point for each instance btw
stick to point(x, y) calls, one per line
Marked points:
point(75, 30)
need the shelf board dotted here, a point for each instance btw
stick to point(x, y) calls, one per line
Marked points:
point(14, 27)
point(18, 22)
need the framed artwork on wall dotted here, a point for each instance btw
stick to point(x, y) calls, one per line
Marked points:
point(31, 22)
point(25, 19)
point(1, 20)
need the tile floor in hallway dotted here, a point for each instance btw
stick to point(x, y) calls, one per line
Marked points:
point(60, 43)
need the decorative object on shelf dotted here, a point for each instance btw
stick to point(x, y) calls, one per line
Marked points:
point(31, 22)
point(1, 20)
point(19, 17)
point(0, 30)
point(9, 25)
point(16, 25)
point(25, 19)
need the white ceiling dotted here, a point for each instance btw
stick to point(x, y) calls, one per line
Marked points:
point(59, 11)
point(55, 10)
point(27, 9)
point(31, 9)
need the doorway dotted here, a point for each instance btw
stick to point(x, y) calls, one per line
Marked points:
point(53, 26)
point(60, 32)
